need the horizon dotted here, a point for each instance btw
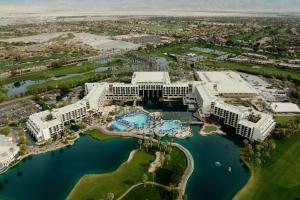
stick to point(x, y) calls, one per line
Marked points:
point(143, 7)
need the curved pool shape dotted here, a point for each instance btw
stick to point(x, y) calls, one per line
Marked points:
point(138, 120)
point(169, 127)
point(118, 126)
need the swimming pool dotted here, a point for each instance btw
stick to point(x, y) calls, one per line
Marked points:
point(116, 126)
point(138, 120)
point(170, 126)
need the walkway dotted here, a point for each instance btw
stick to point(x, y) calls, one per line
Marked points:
point(147, 183)
point(188, 172)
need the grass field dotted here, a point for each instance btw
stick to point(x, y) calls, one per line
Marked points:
point(67, 82)
point(284, 120)
point(97, 134)
point(148, 192)
point(55, 72)
point(172, 171)
point(209, 129)
point(279, 178)
point(96, 186)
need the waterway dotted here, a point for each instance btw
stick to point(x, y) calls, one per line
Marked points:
point(52, 175)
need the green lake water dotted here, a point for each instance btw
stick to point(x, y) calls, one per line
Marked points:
point(52, 175)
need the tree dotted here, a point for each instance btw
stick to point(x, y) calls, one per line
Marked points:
point(146, 143)
point(168, 158)
point(246, 142)
point(169, 150)
point(258, 161)
point(153, 177)
point(145, 179)
point(151, 139)
point(273, 146)
point(110, 196)
point(140, 143)
point(5, 131)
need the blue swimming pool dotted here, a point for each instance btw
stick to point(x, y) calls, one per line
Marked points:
point(116, 126)
point(138, 120)
point(170, 126)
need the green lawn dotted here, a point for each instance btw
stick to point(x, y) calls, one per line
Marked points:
point(209, 129)
point(284, 120)
point(279, 178)
point(96, 186)
point(97, 134)
point(172, 171)
point(67, 82)
point(150, 193)
point(55, 72)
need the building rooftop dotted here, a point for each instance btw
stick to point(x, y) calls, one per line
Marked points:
point(226, 82)
point(41, 120)
point(7, 148)
point(279, 107)
point(150, 78)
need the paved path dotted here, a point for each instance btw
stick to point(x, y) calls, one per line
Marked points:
point(147, 183)
point(188, 172)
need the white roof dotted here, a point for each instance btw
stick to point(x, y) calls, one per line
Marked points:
point(226, 82)
point(279, 107)
point(7, 148)
point(150, 77)
point(205, 92)
point(69, 108)
point(39, 119)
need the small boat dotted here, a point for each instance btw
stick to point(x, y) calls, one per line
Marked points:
point(218, 164)
point(229, 169)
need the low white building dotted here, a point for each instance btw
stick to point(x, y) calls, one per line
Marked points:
point(284, 107)
point(8, 151)
point(227, 83)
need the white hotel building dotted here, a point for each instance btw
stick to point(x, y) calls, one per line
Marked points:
point(206, 95)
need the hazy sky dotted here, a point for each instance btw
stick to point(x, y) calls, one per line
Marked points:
point(200, 5)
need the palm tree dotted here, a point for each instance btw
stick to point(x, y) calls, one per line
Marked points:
point(110, 196)
point(145, 179)
point(151, 139)
point(168, 158)
point(158, 138)
point(140, 143)
point(146, 143)
point(153, 177)
point(169, 150)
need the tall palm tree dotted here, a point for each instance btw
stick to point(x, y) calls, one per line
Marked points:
point(110, 196)
point(145, 179)
point(151, 139)
point(153, 177)
point(168, 158)
point(146, 143)
point(140, 142)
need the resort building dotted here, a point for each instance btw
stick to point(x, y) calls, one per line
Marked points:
point(280, 107)
point(8, 151)
point(247, 122)
point(204, 96)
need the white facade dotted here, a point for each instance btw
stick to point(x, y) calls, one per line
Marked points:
point(201, 94)
point(241, 118)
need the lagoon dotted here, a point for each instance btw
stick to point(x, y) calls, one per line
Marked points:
point(52, 175)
